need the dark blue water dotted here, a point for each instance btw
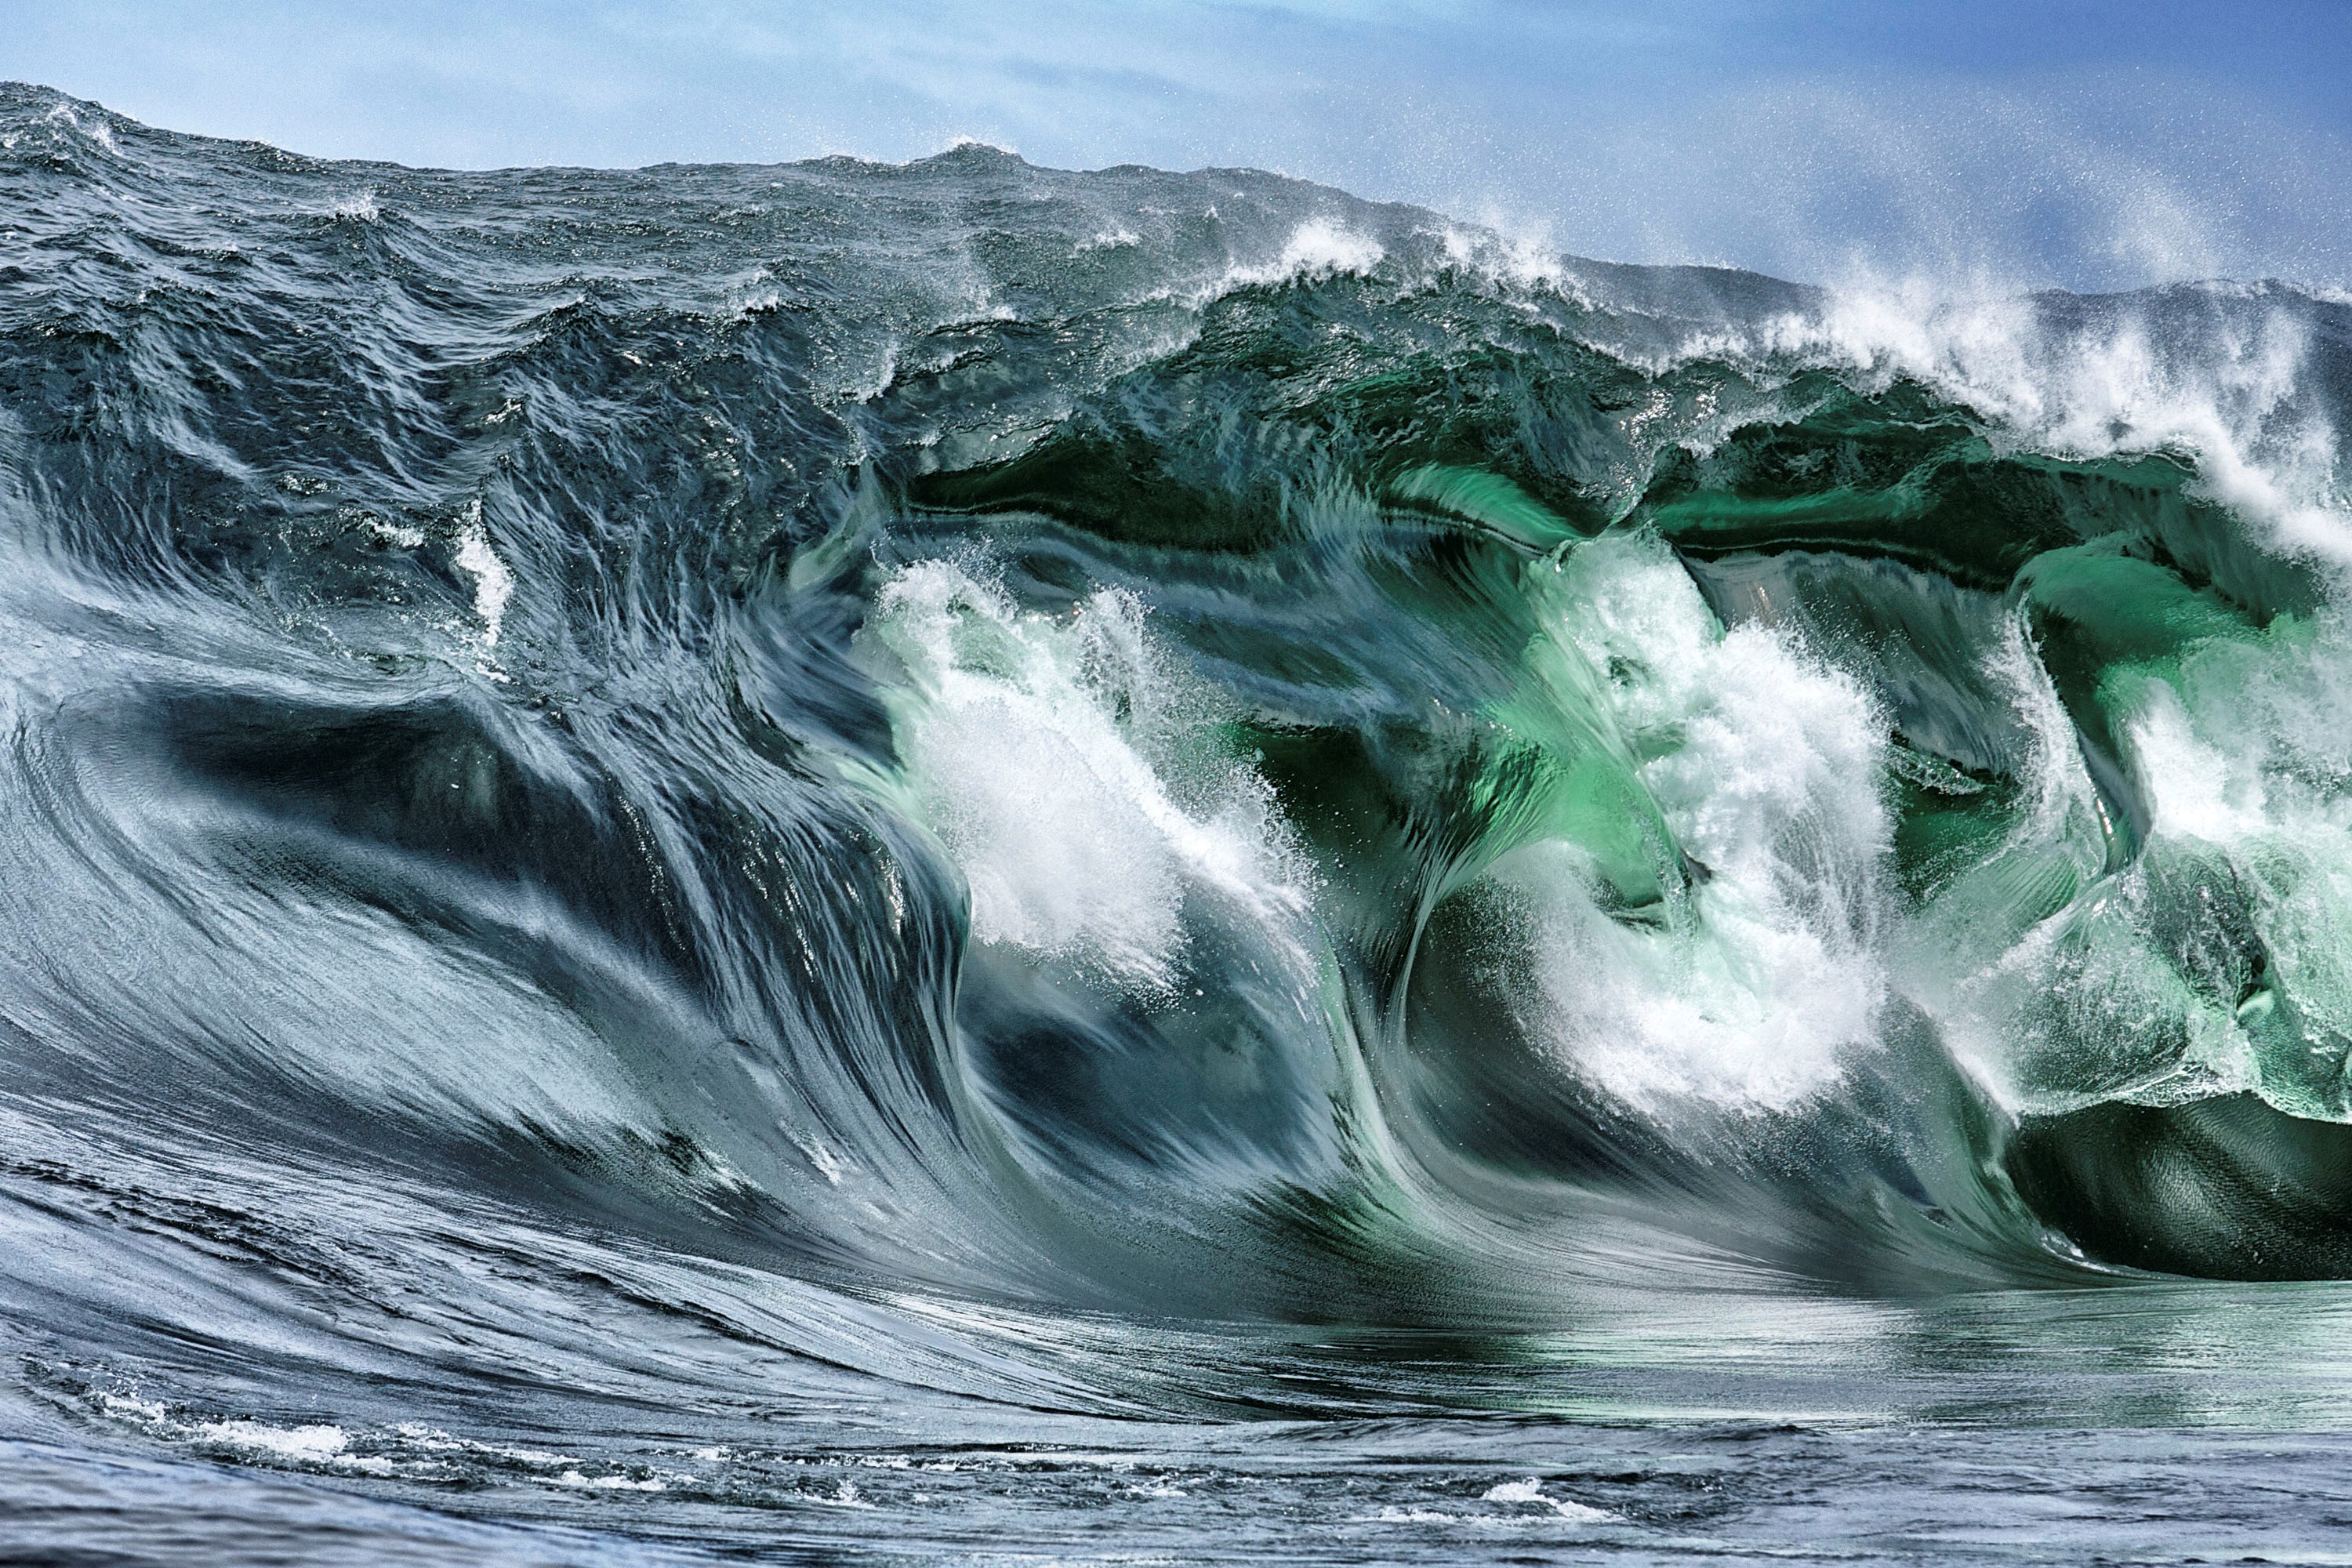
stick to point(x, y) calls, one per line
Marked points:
point(956, 862)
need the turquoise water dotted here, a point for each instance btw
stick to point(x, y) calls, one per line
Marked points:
point(963, 862)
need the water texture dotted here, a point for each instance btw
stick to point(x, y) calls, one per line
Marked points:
point(958, 862)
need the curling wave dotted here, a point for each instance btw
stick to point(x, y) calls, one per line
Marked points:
point(750, 792)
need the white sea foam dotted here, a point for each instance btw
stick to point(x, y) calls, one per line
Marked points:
point(1532, 1491)
point(2233, 398)
point(410, 1448)
point(318, 1444)
point(1320, 247)
point(2241, 752)
point(1523, 259)
point(612, 1483)
point(1974, 960)
point(314, 1445)
point(1766, 771)
point(400, 535)
point(2195, 791)
point(2062, 806)
point(493, 584)
point(95, 128)
point(1070, 769)
point(1316, 248)
point(2245, 752)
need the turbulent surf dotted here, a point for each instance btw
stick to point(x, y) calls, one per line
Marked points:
point(964, 861)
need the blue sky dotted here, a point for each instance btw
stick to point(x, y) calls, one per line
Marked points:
point(2064, 141)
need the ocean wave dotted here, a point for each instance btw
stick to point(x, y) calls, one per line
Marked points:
point(657, 821)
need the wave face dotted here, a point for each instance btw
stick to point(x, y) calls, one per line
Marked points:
point(955, 860)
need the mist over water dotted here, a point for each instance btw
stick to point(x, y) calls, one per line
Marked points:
point(957, 861)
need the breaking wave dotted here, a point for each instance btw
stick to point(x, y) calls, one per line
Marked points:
point(738, 839)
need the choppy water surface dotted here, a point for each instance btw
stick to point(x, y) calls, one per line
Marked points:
point(958, 861)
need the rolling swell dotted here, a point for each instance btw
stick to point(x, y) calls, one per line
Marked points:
point(958, 786)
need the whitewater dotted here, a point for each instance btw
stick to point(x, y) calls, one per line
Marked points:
point(963, 862)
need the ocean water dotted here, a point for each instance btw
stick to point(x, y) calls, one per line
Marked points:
point(964, 863)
